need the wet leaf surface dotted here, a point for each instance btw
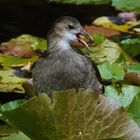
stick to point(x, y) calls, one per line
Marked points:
point(132, 78)
point(72, 116)
point(127, 5)
point(123, 94)
point(9, 82)
point(6, 130)
point(107, 23)
point(111, 71)
point(13, 61)
point(131, 46)
point(16, 136)
point(134, 68)
point(101, 30)
point(107, 52)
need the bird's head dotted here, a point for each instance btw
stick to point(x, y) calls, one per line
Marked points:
point(69, 29)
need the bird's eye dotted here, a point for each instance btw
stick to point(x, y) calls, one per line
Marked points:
point(70, 27)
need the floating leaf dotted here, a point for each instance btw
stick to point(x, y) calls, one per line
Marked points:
point(35, 42)
point(132, 78)
point(7, 76)
point(106, 22)
point(127, 5)
point(134, 109)
point(111, 71)
point(124, 95)
point(134, 68)
point(107, 52)
point(92, 29)
point(98, 38)
point(11, 87)
point(16, 136)
point(17, 49)
point(68, 115)
point(6, 130)
point(10, 133)
point(13, 61)
point(9, 82)
point(131, 46)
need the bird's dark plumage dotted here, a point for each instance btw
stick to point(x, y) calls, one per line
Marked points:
point(64, 67)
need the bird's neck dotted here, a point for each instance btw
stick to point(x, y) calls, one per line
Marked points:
point(58, 44)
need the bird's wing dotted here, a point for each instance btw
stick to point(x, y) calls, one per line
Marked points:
point(94, 66)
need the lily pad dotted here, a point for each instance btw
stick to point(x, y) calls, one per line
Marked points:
point(35, 42)
point(127, 5)
point(13, 61)
point(9, 82)
point(131, 46)
point(107, 52)
point(107, 23)
point(134, 109)
point(134, 68)
point(111, 71)
point(124, 94)
point(16, 136)
point(10, 133)
point(68, 115)
point(6, 130)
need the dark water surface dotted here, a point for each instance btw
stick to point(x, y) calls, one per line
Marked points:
point(35, 18)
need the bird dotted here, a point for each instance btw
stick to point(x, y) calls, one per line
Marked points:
point(62, 66)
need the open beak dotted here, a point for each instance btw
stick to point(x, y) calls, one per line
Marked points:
point(84, 33)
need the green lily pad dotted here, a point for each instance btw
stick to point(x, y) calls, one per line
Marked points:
point(134, 68)
point(123, 95)
point(68, 115)
point(134, 109)
point(111, 71)
point(131, 46)
point(13, 61)
point(7, 76)
point(127, 5)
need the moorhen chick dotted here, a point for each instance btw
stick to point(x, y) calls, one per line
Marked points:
point(62, 66)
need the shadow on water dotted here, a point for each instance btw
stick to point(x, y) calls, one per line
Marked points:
point(20, 18)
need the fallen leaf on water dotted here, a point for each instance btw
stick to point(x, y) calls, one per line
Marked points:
point(106, 22)
point(23, 46)
point(17, 49)
point(101, 30)
point(133, 78)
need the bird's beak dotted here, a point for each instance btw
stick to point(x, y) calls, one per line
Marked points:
point(84, 33)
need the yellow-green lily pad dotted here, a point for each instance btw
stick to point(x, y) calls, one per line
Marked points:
point(9, 82)
point(14, 61)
